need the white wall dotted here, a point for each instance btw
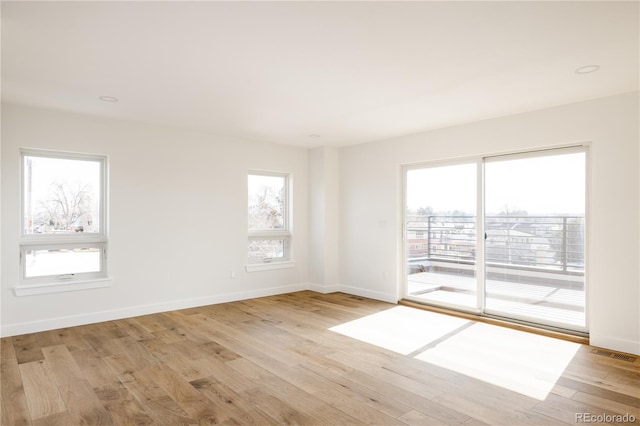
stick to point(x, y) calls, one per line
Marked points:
point(371, 193)
point(324, 194)
point(317, 207)
point(332, 217)
point(176, 216)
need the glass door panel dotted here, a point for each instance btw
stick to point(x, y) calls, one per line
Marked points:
point(440, 235)
point(534, 238)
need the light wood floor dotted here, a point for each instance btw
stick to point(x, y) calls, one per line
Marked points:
point(275, 360)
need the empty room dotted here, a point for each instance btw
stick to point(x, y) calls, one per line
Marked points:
point(320, 213)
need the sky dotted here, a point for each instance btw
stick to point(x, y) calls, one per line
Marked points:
point(74, 172)
point(542, 185)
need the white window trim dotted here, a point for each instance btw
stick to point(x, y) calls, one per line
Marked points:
point(36, 289)
point(269, 266)
point(66, 282)
point(284, 234)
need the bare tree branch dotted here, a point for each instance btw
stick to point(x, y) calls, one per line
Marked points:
point(65, 207)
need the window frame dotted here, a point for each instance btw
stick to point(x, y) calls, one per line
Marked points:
point(78, 240)
point(284, 234)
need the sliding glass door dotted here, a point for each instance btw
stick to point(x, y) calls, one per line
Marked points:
point(534, 250)
point(503, 236)
point(440, 234)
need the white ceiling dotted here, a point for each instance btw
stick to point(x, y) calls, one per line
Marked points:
point(350, 72)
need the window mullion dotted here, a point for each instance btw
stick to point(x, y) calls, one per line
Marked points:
point(267, 235)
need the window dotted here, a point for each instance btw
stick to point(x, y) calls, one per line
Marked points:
point(269, 220)
point(63, 236)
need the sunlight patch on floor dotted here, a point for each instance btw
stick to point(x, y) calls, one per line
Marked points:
point(522, 362)
point(518, 361)
point(401, 329)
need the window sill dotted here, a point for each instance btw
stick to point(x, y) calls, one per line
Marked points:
point(36, 289)
point(255, 267)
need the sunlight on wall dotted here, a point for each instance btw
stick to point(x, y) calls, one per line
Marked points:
point(521, 362)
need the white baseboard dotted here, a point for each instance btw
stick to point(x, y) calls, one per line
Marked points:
point(324, 289)
point(621, 345)
point(356, 291)
point(363, 292)
point(134, 311)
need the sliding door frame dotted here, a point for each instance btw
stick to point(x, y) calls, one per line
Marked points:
point(548, 152)
point(477, 161)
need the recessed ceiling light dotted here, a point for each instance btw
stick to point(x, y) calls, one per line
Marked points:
point(108, 99)
point(587, 69)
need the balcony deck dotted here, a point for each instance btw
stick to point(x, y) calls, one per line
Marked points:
point(534, 265)
point(555, 303)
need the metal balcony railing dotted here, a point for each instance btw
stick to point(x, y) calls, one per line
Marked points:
point(548, 243)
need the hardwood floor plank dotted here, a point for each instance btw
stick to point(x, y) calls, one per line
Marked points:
point(49, 338)
point(234, 406)
point(73, 339)
point(156, 322)
point(474, 422)
point(94, 368)
point(122, 406)
point(100, 344)
point(15, 410)
point(58, 419)
point(565, 410)
point(629, 396)
point(83, 405)
point(156, 402)
point(325, 390)
point(135, 330)
point(418, 418)
point(165, 411)
point(27, 348)
point(563, 391)
point(112, 329)
point(388, 377)
point(142, 387)
point(488, 409)
point(438, 412)
point(607, 403)
point(200, 368)
point(62, 364)
point(139, 355)
point(278, 409)
point(216, 350)
point(324, 413)
point(160, 349)
point(187, 397)
point(40, 389)
point(121, 364)
point(628, 376)
point(170, 336)
point(358, 393)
